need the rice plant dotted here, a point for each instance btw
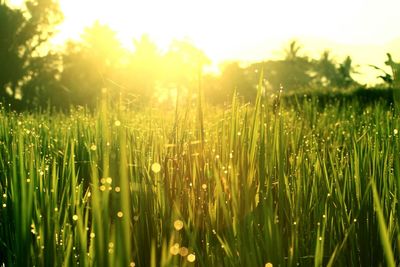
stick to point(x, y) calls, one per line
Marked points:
point(264, 185)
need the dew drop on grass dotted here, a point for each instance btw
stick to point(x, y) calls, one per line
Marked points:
point(183, 251)
point(92, 235)
point(120, 214)
point(93, 147)
point(132, 264)
point(4, 205)
point(117, 189)
point(395, 132)
point(75, 217)
point(156, 167)
point(204, 186)
point(174, 250)
point(117, 123)
point(178, 225)
point(191, 257)
point(268, 264)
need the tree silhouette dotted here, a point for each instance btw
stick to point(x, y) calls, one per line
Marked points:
point(345, 70)
point(90, 65)
point(291, 73)
point(143, 69)
point(23, 47)
point(183, 65)
point(235, 78)
point(329, 74)
point(325, 70)
point(292, 52)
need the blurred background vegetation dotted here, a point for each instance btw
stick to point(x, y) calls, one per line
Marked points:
point(34, 75)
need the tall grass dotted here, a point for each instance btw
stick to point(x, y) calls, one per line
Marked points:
point(244, 186)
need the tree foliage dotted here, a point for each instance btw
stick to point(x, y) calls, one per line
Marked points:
point(90, 65)
point(33, 75)
point(24, 52)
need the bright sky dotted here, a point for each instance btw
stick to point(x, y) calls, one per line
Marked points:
point(247, 29)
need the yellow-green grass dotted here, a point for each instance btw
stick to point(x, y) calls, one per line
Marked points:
point(197, 186)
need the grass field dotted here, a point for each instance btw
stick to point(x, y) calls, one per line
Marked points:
point(263, 185)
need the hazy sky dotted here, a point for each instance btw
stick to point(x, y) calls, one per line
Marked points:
point(248, 29)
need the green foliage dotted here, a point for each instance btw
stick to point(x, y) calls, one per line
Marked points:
point(291, 73)
point(244, 186)
point(89, 66)
point(328, 74)
point(234, 78)
point(27, 69)
point(392, 80)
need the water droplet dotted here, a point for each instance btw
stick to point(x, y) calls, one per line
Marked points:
point(156, 167)
point(117, 189)
point(178, 225)
point(191, 257)
point(183, 251)
point(268, 264)
point(75, 217)
point(174, 250)
point(93, 147)
point(92, 235)
point(204, 186)
point(120, 214)
point(117, 123)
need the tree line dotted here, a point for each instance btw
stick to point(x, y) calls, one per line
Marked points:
point(33, 74)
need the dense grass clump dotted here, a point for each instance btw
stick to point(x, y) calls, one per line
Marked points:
point(245, 186)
